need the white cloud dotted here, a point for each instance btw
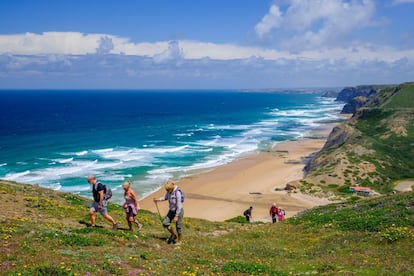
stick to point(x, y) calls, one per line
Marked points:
point(323, 23)
point(172, 53)
point(270, 21)
point(50, 42)
point(76, 60)
point(77, 44)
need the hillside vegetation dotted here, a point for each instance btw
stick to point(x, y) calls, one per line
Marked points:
point(44, 232)
point(374, 148)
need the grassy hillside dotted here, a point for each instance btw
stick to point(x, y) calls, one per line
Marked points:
point(403, 99)
point(43, 232)
point(374, 148)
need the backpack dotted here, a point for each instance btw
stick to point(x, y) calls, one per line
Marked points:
point(182, 194)
point(108, 192)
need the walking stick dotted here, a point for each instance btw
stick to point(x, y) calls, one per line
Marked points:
point(158, 210)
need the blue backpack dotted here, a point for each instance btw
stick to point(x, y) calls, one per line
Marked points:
point(182, 194)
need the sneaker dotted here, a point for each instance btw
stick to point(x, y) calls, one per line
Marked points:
point(172, 238)
point(115, 226)
point(139, 227)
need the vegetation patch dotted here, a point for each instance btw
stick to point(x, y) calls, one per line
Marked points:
point(349, 238)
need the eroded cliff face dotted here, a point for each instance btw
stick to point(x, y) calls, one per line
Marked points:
point(359, 96)
point(348, 93)
point(373, 147)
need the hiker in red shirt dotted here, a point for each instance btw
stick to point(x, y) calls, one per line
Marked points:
point(273, 212)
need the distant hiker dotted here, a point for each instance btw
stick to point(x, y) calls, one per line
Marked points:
point(281, 214)
point(175, 213)
point(100, 202)
point(248, 213)
point(131, 205)
point(274, 211)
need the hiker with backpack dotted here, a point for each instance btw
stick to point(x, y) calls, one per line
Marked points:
point(101, 194)
point(175, 213)
point(131, 205)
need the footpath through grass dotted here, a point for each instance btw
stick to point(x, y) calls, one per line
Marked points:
point(44, 233)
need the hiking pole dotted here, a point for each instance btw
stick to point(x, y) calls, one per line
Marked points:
point(156, 204)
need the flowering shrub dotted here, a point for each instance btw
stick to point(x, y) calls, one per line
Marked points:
point(395, 233)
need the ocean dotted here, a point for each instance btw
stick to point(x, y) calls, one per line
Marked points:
point(57, 138)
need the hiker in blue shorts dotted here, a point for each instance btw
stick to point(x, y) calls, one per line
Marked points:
point(99, 202)
point(175, 213)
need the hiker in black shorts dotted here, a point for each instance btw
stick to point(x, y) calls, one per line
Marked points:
point(175, 213)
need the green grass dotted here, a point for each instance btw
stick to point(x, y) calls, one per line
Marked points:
point(349, 238)
point(403, 99)
point(379, 148)
point(393, 155)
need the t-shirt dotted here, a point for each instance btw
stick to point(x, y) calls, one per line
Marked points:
point(95, 191)
point(273, 210)
point(248, 212)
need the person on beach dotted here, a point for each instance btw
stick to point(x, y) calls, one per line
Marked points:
point(175, 213)
point(281, 214)
point(248, 213)
point(99, 202)
point(274, 213)
point(131, 205)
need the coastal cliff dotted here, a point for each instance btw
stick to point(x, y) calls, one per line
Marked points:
point(357, 97)
point(374, 147)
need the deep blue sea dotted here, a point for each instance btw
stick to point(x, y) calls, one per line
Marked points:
point(56, 138)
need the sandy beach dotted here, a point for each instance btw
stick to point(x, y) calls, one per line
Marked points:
point(228, 190)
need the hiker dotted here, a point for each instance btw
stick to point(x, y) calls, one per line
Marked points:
point(99, 202)
point(175, 213)
point(248, 213)
point(281, 214)
point(274, 213)
point(131, 205)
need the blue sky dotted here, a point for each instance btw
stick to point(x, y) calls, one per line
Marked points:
point(205, 44)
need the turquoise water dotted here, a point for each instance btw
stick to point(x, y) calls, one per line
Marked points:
point(57, 138)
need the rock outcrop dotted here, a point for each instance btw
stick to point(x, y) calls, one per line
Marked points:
point(355, 104)
point(349, 93)
point(357, 97)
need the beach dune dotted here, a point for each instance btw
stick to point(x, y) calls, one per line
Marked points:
point(254, 180)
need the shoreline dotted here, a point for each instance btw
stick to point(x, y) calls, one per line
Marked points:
point(227, 190)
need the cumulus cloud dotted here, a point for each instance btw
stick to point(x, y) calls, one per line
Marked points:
point(271, 20)
point(172, 53)
point(105, 45)
point(315, 24)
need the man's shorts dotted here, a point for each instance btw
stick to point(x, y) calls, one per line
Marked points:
point(103, 211)
point(169, 218)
